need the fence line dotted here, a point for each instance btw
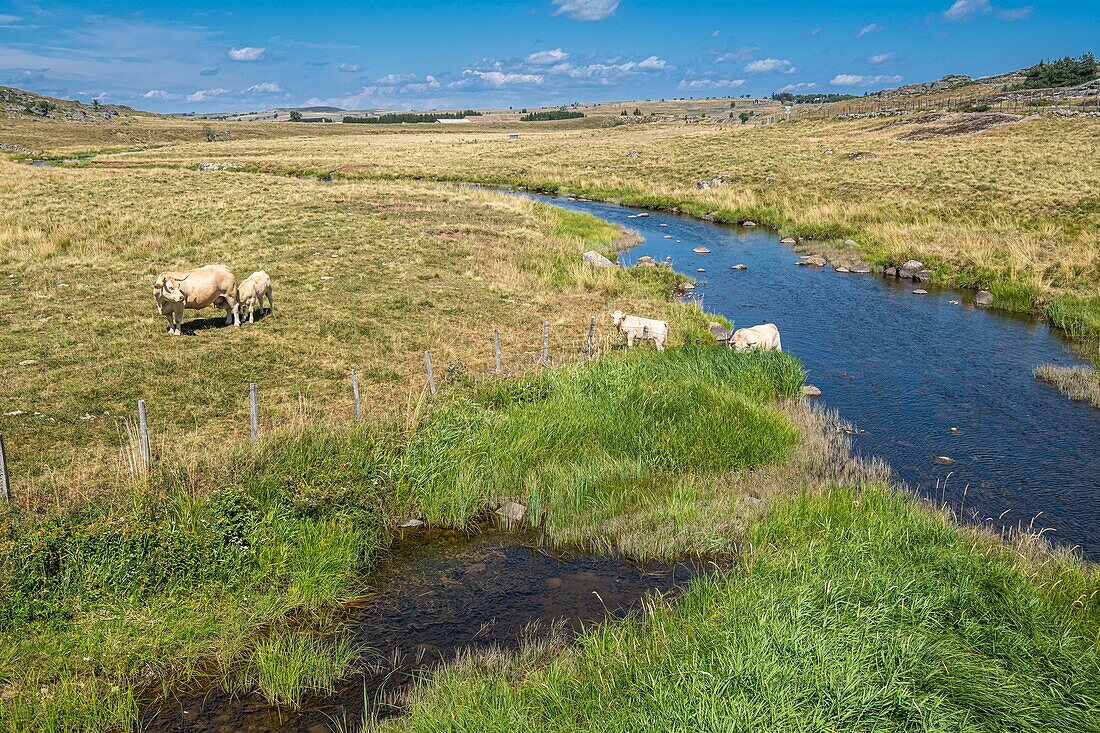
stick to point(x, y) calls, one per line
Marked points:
point(583, 346)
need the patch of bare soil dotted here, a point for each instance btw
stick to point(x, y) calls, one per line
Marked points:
point(966, 123)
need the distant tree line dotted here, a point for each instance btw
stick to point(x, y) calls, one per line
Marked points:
point(1065, 72)
point(557, 114)
point(394, 118)
point(811, 98)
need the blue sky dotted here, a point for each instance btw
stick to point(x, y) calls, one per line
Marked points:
point(204, 56)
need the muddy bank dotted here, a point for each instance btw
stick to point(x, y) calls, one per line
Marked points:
point(442, 592)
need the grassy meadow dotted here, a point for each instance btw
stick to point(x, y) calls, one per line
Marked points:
point(846, 605)
point(1008, 207)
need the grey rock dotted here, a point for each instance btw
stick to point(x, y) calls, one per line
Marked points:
point(410, 523)
point(983, 298)
point(851, 243)
point(748, 223)
point(842, 268)
point(710, 215)
point(597, 260)
point(890, 272)
point(860, 269)
point(812, 261)
point(920, 291)
point(811, 391)
point(646, 261)
point(787, 240)
point(913, 265)
point(512, 511)
point(739, 266)
point(720, 332)
point(924, 276)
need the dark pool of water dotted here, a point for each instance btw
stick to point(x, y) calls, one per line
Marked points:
point(441, 593)
point(906, 369)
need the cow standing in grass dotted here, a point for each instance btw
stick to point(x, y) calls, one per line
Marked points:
point(764, 337)
point(636, 327)
point(212, 285)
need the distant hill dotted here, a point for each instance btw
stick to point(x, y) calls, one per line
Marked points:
point(20, 104)
point(1064, 73)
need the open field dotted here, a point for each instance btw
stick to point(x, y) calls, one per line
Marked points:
point(228, 563)
point(367, 275)
point(1011, 207)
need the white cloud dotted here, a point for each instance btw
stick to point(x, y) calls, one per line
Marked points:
point(814, 31)
point(962, 10)
point(395, 79)
point(247, 53)
point(205, 95)
point(544, 58)
point(738, 54)
point(800, 87)
point(350, 68)
point(859, 80)
point(870, 28)
point(880, 58)
point(700, 84)
point(8, 19)
point(265, 87)
point(430, 82)
point(714, 34)
point(586, 9)
point(764, 66)
point(653, 64)
point(159, 94)
point(496, 79)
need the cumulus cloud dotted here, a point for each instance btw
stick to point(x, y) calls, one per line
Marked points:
point(545, 58)
point(430, 82)
point(880, 58)
point(693, 85)
point(350, 68)
point(859, 80)
point(967, 9)
point(496, 79)
point(246, 53)
point(265, 87)
point(205, 95)
point(395, 79)
point(765, 66)
point(869, 28)
point(605, 72)
point(799, 87)
point(159, 94)
point(586, 9)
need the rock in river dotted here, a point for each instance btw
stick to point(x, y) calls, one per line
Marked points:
point(812, 261)
point(739, 266)
point(811, 391)
point(983, 298)
point(787, 240)
point(860, 269)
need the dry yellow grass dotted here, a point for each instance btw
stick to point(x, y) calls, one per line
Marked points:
point(367, 275)
point(1012, 207)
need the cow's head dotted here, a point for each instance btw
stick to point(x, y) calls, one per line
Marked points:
point(617, 318)
point(742, 341)
point(167, 290)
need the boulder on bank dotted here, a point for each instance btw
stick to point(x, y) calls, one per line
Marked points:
point(984, 298)
point(512, 512)
point(811, 391)
point(748, 223)
point(851, 243)
point(890, 272)
point(721, 333)
point(812, 261)
point(841, 268)
point(646, 261)
point(860, 269)
point(597, 260)
point(787, 240)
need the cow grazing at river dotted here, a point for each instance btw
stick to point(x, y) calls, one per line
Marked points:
point(252, 291)
point(212, 285)
point(636, 327)
point(764, 337)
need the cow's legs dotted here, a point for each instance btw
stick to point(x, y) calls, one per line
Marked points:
point(660, 344)
point(270, 303)
point(629, 340)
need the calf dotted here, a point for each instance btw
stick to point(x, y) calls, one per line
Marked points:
point(636, 327)
point(251, 292)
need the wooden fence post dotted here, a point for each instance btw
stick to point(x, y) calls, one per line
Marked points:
point(591, 333)
point(5, 482)
point(545, 342)
point(355, 394)
point(431, 376)
point(253, 412)
point(143, 429)
point(496, 350)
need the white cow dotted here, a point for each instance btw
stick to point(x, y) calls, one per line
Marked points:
point(251, 292)
point(636, 327)
point(764, 336)
point(196, 289)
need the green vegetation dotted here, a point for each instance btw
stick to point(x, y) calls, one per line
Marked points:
point(812, 98)
point(213, 570)
point(1065, 72)
point(853, 611)
point(396, 118)
point(556, 114)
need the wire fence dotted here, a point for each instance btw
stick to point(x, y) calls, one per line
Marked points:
point(135, 433)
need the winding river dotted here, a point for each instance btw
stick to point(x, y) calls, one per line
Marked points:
point(906, 369)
